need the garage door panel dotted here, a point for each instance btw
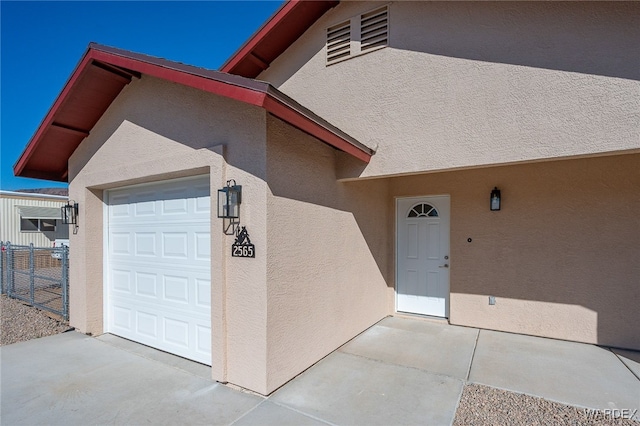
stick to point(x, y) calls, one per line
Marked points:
point(178, 333)
point(203, 205)
point(189, 202)
point(202, 246)
point(144, 209)
point(203, 293)
point(203, 340)
point(174, 289)
point(146, 284)
point(121, 280)
point(152, 265)
point(120, 243)
point(159, 266)
point(161, 305)
point(195, 255)
point(159, 217)
point(175, 245)
point(147, 324)
point(118, 206)
point(122, 318)
point(188, 242)
point(145, 244)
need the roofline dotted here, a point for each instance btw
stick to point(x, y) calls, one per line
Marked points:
point(246, 48)
point(20, 164)
point(252, 92)
point(265, 33)
point(319, 121)
point(32, 195)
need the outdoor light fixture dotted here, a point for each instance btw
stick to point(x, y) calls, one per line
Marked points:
point(229, 199)
point(495, 199)
point(70, 213)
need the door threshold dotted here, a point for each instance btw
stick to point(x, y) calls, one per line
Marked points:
point(431, 318)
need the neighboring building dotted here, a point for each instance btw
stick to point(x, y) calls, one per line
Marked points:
point(371, 199)
point(27, 218)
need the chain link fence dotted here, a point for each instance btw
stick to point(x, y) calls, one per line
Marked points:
point(38, 276)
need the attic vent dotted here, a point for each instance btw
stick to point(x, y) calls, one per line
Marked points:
point(360, 34)
point(374, 29)
point(338, 42)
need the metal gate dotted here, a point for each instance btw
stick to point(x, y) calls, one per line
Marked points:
point(38, 276)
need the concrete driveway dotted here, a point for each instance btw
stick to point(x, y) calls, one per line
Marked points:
point(400, 371)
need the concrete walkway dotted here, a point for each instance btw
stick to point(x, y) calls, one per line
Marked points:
point(400, 371)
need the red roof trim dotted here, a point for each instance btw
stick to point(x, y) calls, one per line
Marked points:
point(245, 50)
point(307, 125)
point(177, 76)
point(275, 36)
point(252, 92)
point(48, 119)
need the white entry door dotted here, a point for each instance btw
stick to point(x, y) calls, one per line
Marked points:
point(158, 272)
point(422, 281)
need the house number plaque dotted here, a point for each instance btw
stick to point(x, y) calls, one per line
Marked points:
point(242, 247)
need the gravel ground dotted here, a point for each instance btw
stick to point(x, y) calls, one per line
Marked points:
point(20, 322)
point(479, 405)
point(484, 405)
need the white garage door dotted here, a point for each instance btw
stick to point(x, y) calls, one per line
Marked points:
point(158, 270)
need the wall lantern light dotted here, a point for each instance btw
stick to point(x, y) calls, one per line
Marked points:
point(229, 199)
point(70, 213)
point(495, 199)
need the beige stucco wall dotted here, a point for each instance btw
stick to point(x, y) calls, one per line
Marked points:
point(328, 262)
point(477, 83)
point(154, 131)
point(322, 264)
point(561, 257)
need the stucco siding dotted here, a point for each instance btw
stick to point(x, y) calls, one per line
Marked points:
point(561, 256)
point(465, 84)
point(328, 263)
point(156, 131)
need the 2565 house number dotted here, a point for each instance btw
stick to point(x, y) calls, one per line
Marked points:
point(242, 247)
point(238, 250)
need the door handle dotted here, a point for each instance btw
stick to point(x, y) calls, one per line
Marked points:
point(446, 265)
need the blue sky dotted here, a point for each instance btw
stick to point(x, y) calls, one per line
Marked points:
point(41, 43)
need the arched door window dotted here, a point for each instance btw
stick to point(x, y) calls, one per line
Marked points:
point(423, 210)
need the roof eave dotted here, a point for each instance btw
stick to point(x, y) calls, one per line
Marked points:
point(128, 65)
point(276, 35)
point(19, 166)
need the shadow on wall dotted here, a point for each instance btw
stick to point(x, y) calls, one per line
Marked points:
point(599, 38)
point(302, 169)
point(568, 233)
point(155, 119)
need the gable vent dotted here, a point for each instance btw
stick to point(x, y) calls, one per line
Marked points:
point(338, 42)
point(358, 35)
point(374, 29)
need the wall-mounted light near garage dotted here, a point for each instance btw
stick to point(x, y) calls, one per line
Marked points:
point(70, 214)
point(495, 199)
point(229, 199)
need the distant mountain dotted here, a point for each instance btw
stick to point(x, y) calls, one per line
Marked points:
point(47, 191)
